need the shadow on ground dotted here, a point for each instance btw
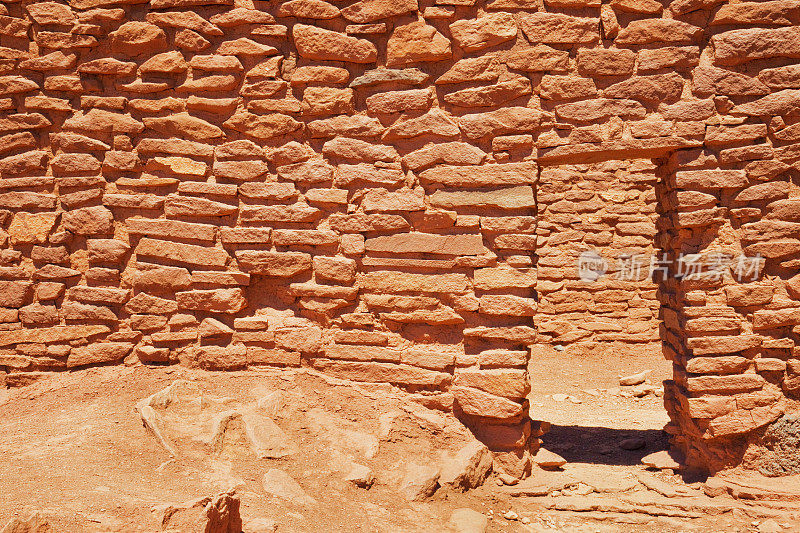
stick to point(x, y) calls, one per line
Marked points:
point(599, 445)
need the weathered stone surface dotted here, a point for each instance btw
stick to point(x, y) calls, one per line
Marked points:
point(278, 483)
point(160, 278)
point(184, 125)
point(507, 305)
point(566, 87)
point(317, 43)
point(239, 170)
point(485, 175)
point(134, 38)
point(361, 222)
point(56, 334)
point(311, 9)
point(600, 108)
point(355, 126)
point(365, 11)
point(658, 31)
point(382, 372)
point(183, 19)
point(723, 384)
point(452, 153)
point(388, 281)
point(356, 149)
point(427, 243)
point(100, 352)
point(655, 88)
point(229, 357)
point(779, 103)
point(263, 126)
point(313, 171)
point(228, 301)
point(605, 62)
point(510, 198)
point(710, 179)
point(89, 221)
point(539, 58)
point(508, 383)
point(555, 28)
point(182, 253)
point(483, 68)
point(713, 80)
point(679, 57)
point(415, 42)
point(503, 278)
point(400, 200)
point(29, 228)
point(399, 101)
point(476, 402)
point(327, 101)
point(407, 76)
point(483, 32)
point(491, 95)
point(433, 123)
point(279, 213)
point(279, 264)
point(737, 46)
point(189, 206)
point(787, 77)
point(32, 162)
point(171, 229)
point(502, 121)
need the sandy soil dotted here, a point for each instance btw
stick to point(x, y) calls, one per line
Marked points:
point(75, 449)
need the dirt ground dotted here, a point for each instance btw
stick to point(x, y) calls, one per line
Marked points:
point(74, 449)
point(589, 425)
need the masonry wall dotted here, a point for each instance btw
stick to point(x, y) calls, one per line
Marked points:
point(355, 187)
point(607, 209)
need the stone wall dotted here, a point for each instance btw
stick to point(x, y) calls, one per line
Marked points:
point(607, 209)
point(354, 186)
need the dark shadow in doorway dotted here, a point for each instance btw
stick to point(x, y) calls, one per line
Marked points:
point(599, 445)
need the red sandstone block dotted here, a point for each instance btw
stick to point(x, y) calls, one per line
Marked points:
point(717, 365)
point(362, 353)
point(765, 318)
point(221, 357)
point(722, 345)
point(710, 179)
point(435, 357)
point(252, 337)
point(257, 355)
point(744, 420)
point(358, 336)
point(479, 403)
point(559, 29)
point(229, 301)
point(605, 62)
point(98, 352)
point(383, 372)
point(709, 407)
point(279, 264)
point(509, 383)
point(725, 384)
point(648, 31)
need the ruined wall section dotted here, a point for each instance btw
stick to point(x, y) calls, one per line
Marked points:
point(353, 186)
